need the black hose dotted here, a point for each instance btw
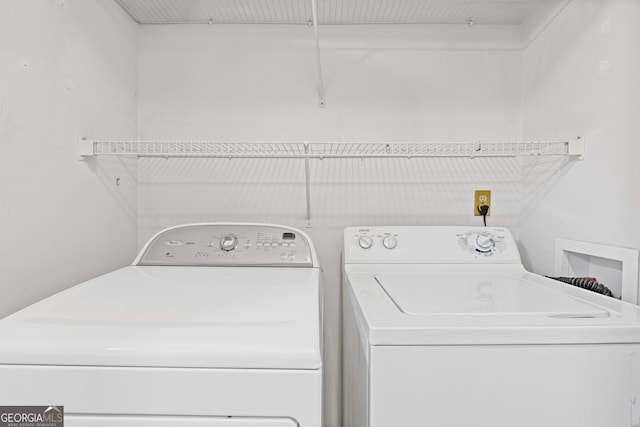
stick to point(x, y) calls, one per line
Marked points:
point(586, 283)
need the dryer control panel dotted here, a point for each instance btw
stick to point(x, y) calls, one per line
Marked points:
point(217, 244)
point(429, 244)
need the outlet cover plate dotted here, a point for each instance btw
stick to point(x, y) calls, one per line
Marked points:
point(482, 197)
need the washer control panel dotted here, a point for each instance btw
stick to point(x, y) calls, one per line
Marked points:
point(482, 242)
point(228, 245)
point(430, 245)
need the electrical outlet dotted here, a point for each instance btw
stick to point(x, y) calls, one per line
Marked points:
point(482, 197)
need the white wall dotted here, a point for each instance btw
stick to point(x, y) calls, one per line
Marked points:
point(67, 69)
point(382, 84)
point(581, 78)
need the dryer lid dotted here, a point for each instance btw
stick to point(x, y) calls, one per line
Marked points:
point(201, 317)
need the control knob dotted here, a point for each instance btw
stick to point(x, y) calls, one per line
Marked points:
point(365, 242)
point(228, 243)
point(484, 241)
point(389, 242)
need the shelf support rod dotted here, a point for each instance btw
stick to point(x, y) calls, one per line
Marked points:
point(307, 183)
point(314, 16)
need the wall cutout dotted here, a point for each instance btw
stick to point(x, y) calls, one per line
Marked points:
point(614, 266)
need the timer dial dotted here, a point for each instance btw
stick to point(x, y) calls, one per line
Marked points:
point(228, 243)
point(484, 243)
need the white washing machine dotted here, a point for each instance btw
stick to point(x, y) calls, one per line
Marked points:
point(443, 327)
point(213, 325)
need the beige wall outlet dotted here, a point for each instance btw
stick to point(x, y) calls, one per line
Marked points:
point(482, 197)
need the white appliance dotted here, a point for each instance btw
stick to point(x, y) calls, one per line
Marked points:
point(444, 327)
point(213, 325)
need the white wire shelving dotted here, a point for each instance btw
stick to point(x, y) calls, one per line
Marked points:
point(328, 150)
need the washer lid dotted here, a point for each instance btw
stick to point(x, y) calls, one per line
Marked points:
point(460, 293)
point(220, 317)
point(481, 305)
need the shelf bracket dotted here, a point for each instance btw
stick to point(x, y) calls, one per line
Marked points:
point(307, 183)
point(576, 148)
point(85, 148)
point(314, 15)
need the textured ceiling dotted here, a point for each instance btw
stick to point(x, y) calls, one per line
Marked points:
point(509, 12)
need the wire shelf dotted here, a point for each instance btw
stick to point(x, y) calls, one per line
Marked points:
point(327, 150)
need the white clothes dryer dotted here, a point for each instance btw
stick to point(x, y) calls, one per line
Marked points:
point(213, 325)
point(444, 327)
